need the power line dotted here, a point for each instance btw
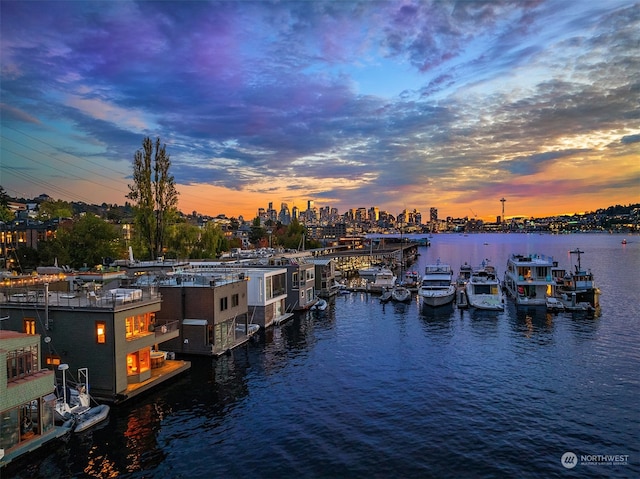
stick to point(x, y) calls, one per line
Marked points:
point(192, 198)
point(56, 169)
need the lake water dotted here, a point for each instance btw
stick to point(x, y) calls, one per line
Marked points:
point(366, 390)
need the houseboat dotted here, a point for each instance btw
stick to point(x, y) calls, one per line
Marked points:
point(528, 279)
point(109, 330)
point(27, 397)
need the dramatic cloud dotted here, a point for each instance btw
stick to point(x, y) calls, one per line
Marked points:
point(395, 104)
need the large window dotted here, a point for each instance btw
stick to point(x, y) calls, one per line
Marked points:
point(138, 362)
point(224, 304)
point(139, 325)
point(276, 285)
point(22, 362)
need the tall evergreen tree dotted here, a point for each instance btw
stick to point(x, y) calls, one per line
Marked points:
point(6, 214)
point(155, 195)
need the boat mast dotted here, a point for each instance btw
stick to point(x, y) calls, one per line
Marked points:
point(577, 252)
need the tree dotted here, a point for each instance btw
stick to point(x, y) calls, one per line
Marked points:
point(50, 209)
point(6, 214)
point(90, 240)
point(155, 195)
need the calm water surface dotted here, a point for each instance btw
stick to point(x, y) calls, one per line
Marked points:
point(366, 390)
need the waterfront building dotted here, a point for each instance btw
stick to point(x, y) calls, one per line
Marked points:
point(301, 274)
point(108, 329)
point(325, 275)
point(267, 295)
point(266, 286)
point(210, 306)
point(529, 279)
point(27, 399)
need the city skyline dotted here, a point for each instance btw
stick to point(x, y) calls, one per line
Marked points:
point(399, 105)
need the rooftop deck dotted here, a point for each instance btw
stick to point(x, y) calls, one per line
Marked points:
point(104, 299)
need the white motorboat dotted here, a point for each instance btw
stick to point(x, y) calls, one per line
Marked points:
point(320, 305)
point(401, 294)
point(90, 417)
point(529, 280)
point(554, 305)
point(371, 272)
point(249, 331)
point(384, 279)
point(483, 289)
point(437, 287)
point(74, 408)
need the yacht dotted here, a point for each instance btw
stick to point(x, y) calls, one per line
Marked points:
point(371, 274)
point(483, 289)
point(437, 287)
point(576, 290)
point(529, 280)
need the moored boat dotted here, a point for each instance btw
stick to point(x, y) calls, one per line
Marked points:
point(437, 287)
point(320, 305)
point(528, 279)
point(412, 279)
point(73, 406)
point(401, 294)
point(385, 297)
point(483, 289)
point(576, 289)
point(90, 417)
point(554, 305)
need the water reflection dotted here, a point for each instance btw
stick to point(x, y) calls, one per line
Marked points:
point(533, 323)
point(437, 320)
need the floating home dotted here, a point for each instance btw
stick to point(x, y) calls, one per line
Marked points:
point(111, 329)
point(27, 399)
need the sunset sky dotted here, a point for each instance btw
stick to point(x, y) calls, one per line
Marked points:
point(396, 104)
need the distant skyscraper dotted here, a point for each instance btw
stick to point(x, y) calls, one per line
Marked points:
point(284, 216)
point(433, 218)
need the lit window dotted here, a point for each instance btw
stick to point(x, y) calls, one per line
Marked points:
point(101, 328)
point(52, 360)
point(29, 325)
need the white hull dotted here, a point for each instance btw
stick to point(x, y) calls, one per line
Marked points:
point(486, 302)
point(439, 297)
point(483, 290)
point(91, 417)
point(320, 305)
point(437, 288)
point(401, 294)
